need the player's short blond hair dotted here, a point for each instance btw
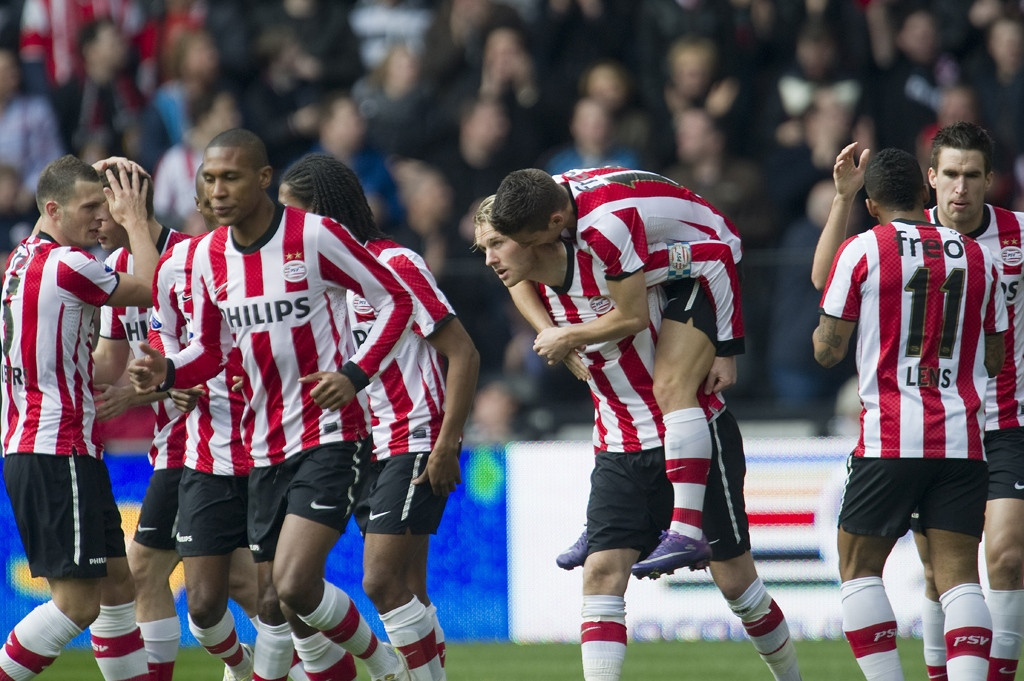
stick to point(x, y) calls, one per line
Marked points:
point(483, 212)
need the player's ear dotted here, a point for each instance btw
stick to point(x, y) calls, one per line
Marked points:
point(266, 176)
point(52, 208)
point(872, 207)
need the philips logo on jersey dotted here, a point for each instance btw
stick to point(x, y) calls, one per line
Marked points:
point(600, 304)
point(928, 247)
point(136, 331)
point(267, 312)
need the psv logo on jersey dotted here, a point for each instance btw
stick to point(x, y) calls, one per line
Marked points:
point(1012, 256)
point(600, 304)
point(295, 271)
point(362, 307)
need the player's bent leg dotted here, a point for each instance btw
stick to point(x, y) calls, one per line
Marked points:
point(36, 641)
point(933, 621)
point(869, 622)
point(242, 587)
point(603, 632)
point(274, 650)
point(682, 361)
point(206, 588)
point(116, 639)
point(416, 580)
point(968, 629)
point(151, 570)
point(762, 617)
point(1004, 558)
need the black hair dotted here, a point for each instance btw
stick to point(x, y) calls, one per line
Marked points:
point(328, 187)
point(59, 178)
point(240, 138)
point(893, 180)
point(965, 137)
point(525, 201)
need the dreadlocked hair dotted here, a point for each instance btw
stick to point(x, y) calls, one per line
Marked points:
point(328, 187)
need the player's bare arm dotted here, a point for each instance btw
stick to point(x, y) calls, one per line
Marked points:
point(452, 341)
point(109, 360)
point(332, 389)
point(524, 295)
point(831, 340)
point(995, 353)
point(848, 176)
point(629, 316)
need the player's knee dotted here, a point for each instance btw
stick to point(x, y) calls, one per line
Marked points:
point(677, 390)
point(1005, 564)
point(386, 589)
point(293, 589)
point(205, 612)
point(82, 612)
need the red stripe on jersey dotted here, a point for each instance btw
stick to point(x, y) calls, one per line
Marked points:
point(604, 250)
point(218, 264)
point(641, 380)
point(263, 355)
point(304, 343)
point(252, 264)
point(890, 284)
point(971, 332)
point(293, 245)
point(29, 338)
point(937, 303)
point(1007, 381)
point(637, 231)
point(80, 286)
point(623, 421)
point(401, 405)
point(421, 288)
point(205, 427)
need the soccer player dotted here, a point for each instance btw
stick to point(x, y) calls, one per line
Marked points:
point(630, 494)
point(417, 412)
point(53, 467)
point(931, 321)
point(616, 214)
point(210, 492)
point(151, 554)
point(961, 173)
point(263, 283)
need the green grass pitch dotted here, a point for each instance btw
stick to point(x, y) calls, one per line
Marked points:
point(704, 661)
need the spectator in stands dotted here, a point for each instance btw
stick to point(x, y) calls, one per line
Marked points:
point(610, 82)
point(98, 111)
point(399, 111)
point(429, 221)
point(29, 138)
point(194, 71)
point(593, 142)
point(174, 180)
point(343, 136)
point(382, 25)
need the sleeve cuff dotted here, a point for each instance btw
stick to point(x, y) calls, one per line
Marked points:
point(358, 377)
point(728, 348)
point(169, 381)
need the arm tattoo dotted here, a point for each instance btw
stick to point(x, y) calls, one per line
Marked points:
point(826, 335)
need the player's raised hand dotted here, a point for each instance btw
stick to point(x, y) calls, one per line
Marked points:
point(848, 172)
point(126, 195)
point(333, 390)
point(148, 371)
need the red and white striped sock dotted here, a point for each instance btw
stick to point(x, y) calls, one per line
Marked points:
point(325, 660)
point(221, 641)
point(35, 642)
point(438, 633)
point(162, 638)
point(411, 631)
point(339, 619)
point(603, 637)
point(870, 627)
point(117, 644)
point(768, 631)
point(1007, 609)
point(274, 652)
point(933, 627)
point(298, 672)
point(687, 460)
point(968, 631)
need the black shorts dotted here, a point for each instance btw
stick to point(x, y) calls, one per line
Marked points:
point(725, 515)
point(630, 501)
point(882, 494)
point(319, 484)
point(391, 504)
point(686, 301)
point(212, 520)
point(66, 514)
point(158, 518)
point(1004, 450)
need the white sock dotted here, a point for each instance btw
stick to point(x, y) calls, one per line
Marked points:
point(768, 631)
point(687, 460)
point(1007, 609)
point(968, 632)
point(411, 631)
point(339, 619)
point(162, 638)
point(603, 637)
point(323, 658)
point(933, 626)
point(273, 653)
point(870, 627)
point(36, 641)
point(221, 640)
point(117, 643)
point(438, 634)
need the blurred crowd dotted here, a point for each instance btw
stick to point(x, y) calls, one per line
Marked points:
point(747, 102)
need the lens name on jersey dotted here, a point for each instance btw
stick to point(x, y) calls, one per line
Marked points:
point(928, 247)
point(266, 312)
point(929, 377)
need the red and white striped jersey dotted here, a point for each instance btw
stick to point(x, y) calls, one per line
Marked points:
point(626, 415)
point(1002, 232)
point(622, 213)
point(406, 403)
point(213, 441)
point(50, 296)
point(131, 324)
point(924, 296)
point(273, 300)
